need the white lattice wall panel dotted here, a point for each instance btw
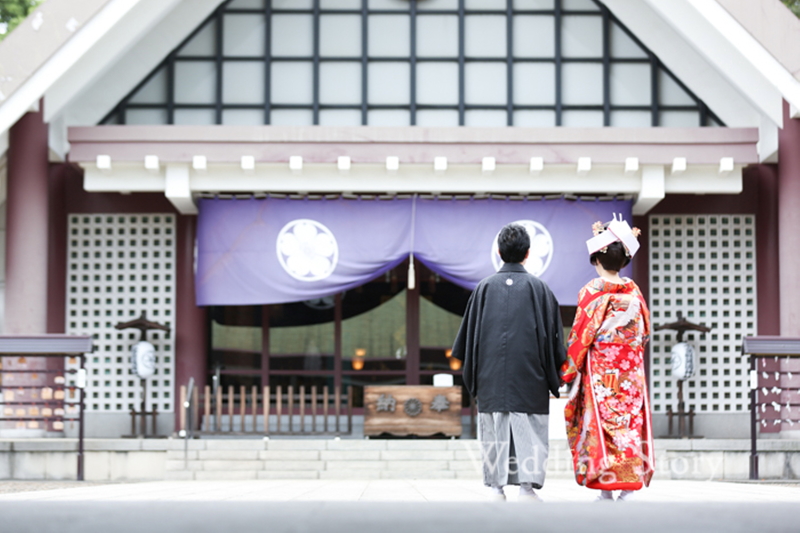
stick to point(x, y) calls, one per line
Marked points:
point(118, 266)
point(705, 267)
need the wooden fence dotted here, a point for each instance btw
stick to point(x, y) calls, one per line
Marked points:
point(282, 411)
point(774, 388)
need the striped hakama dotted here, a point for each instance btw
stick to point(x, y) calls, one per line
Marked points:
point(514, 448)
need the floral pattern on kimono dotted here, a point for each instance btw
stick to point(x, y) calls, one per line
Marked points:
point(608, 413)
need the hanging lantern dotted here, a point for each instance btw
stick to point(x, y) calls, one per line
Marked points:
point(143, 359)
point(683, 361)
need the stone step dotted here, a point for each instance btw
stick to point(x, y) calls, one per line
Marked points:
point(324, 455)
point(176, 446)
point(365, 473)
point(340, 459)
point(324, 474)
point(357, 469)
point(293, 474)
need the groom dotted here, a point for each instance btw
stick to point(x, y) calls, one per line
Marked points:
point(511, 342)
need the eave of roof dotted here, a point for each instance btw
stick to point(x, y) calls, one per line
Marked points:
point(40, 36)
point(57, 24)
point(369, 144)
point(47, 45)
point(775, 27)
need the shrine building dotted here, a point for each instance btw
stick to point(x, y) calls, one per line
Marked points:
point(305, 191)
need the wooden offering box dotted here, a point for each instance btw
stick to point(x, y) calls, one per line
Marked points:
point(403, 410)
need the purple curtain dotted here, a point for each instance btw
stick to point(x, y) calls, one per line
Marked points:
point(252, 252)
point(457, 238)
point(268, 251)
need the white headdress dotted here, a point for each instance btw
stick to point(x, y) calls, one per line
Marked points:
point(617, 230)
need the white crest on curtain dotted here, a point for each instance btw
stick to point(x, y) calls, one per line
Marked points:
point(307, 250)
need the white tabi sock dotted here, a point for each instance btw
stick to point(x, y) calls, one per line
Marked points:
point(605, 495)
point(625, 495)
point(497, 489)
point(526, 488)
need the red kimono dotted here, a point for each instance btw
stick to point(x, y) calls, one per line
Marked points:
point(608, 412)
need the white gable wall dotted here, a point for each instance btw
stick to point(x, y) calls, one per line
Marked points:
point(680, 35)
point(707, 38)
point(98, 59)
point(755, 53)
point(710, 65)
point(27, 95)
point(666, 36)
point(105, 53)
point(108, 72)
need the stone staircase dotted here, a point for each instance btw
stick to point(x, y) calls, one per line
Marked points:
point(218, 459)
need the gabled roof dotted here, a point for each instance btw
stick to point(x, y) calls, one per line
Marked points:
point(773, 26)
point(742, 57)
point(42, 40)
point(65, 46)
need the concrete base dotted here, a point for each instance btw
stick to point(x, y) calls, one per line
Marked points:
point(30, 434)
point(116, 425)
point(277, 458)
point(710, 426)
point(105, 460)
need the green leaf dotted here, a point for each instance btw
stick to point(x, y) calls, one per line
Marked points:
point(12, 12)
point(794, 5)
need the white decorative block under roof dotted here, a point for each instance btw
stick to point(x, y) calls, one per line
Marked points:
point(248, 162)
point(199, 162)
point(103, 162)
point(151, 162)
point(678, 165)
point(726, 165)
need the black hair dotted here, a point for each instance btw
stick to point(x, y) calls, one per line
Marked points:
point(614, 259)
point(513, 243)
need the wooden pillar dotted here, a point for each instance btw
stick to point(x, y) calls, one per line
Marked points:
point(337, 341)
point(191, 323)
point(27, 227)
point(265, 309)
point(641, 274)
point(789, 222)
point(640, 263)
point(57, 248)
point(767, 251)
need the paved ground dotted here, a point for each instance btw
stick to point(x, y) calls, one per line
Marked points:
point(390, 506)
point(9, 486)
point(555, 490)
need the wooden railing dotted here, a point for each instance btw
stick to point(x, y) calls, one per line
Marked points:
point(774, 388)
point(282, 411)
